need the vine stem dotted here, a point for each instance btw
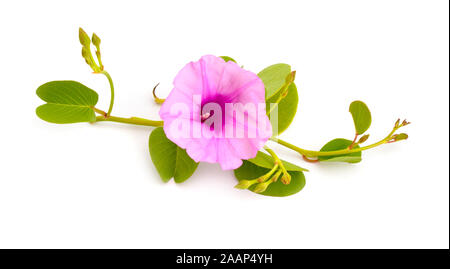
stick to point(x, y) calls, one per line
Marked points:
point(277, 160)
point(312, 153)
point(304, 152)
point(111, 85)
point(353, 142)
point(131, 120)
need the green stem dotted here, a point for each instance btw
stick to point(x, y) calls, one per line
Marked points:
point(272, 153)
point(267, 175)
point(283, 93)
point(312, 153)
point(111, 85)
point(277, 160)
point(132, 120)
point(272, 107)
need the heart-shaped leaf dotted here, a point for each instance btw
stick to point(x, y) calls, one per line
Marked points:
point(67, 102)
point(249, 170)
point(274, 78)
point(338, 144)
point(169, 159)
point(361, 116)
point(266, 161)
point(287, 108)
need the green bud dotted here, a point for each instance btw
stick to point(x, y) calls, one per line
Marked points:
point(84, 38)
point(96, 40)
point(291, 77)
point(397, 123)
point(84, 52)
point(262, 187)
point(404, 123)
point(363, 139)
point(401, 136)
point(245, 184)
point(286, 179)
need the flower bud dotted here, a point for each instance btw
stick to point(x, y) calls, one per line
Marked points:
point(290, 78)
point(245, 184)
point(363, 139)
point(84, 38)
point(262, 187)
point(262, 178)
point(286, 179)
point(401, 136)
point(84, 52)
point(288, 81)
point(96, 40)
point(404, 123)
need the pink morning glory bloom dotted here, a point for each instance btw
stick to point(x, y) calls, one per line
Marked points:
point(216, 111)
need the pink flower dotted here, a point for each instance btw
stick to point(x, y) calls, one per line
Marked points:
point(216, 111)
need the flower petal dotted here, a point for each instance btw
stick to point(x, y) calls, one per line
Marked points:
point(212, 80)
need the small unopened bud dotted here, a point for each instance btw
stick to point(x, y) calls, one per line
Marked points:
point(84, 38)
point(84, 52)
point(286, 179)
point(397, 123)
point(96, 40)
point(291, 77)
point(401, 136)
point(363, 139)
point(262, 187)
point(245, 184)
point(404, 123)
point(288, 81)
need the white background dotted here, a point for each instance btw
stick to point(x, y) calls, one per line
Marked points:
point(94, 186)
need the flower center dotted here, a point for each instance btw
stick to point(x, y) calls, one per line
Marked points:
point(211, 106)
point(205, 116)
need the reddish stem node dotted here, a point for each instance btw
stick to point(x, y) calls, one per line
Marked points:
point(353, 142)
point(310, 160)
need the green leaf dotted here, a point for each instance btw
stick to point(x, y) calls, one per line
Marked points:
point(361, 116)
point(227, 58)
point(57, 113)
point(249, 170)
point(286, 108)
point(169, 159)
point(266, 161)
point(67, 102)
point(338, 144)
point(274, 78)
